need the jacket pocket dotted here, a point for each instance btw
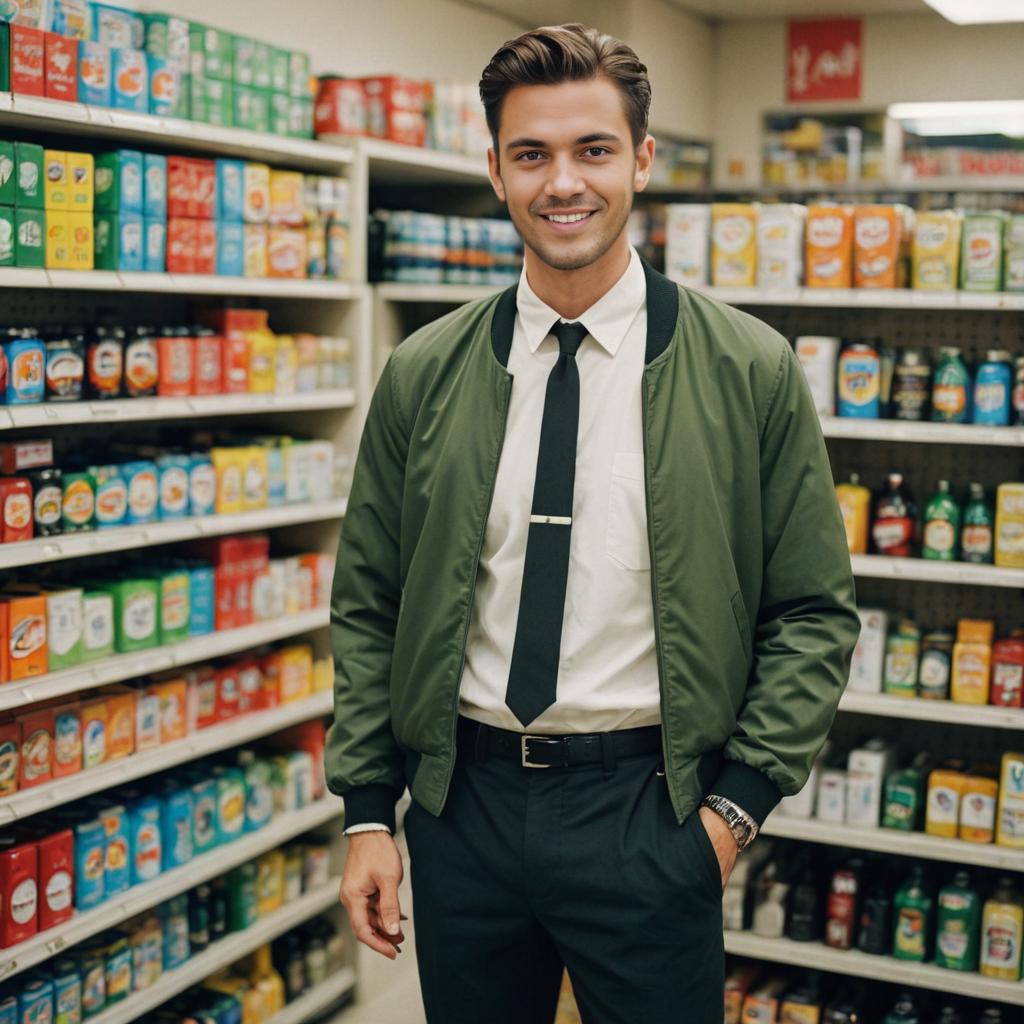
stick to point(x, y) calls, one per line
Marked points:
point(626, 537)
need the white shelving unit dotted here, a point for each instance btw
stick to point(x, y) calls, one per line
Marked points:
point(925, 570)
point(316, 1000)
point(886, 705)
point(200, 869)
point(921, 433)
point(879, 968)
point(226, 952)
point(137, 766)
point(867, 298)
point(158, 659)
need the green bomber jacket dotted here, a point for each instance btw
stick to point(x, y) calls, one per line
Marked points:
point(752, 590)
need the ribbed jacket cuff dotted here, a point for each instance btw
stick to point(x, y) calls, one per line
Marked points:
point(371, 803)
point(748, 788)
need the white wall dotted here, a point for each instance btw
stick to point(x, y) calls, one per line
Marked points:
point(906, 57)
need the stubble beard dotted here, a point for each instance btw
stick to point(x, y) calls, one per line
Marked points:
point(572, 260)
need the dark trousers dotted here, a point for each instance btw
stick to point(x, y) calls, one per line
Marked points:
point(528, 869)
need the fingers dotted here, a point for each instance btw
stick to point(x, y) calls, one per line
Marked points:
point(387, 905)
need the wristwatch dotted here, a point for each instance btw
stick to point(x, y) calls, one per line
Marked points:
point(742, 826)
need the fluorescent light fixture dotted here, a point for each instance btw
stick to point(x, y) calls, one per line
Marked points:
point(978, 12)
point(980, 117)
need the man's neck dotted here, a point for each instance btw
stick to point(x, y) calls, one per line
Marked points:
point(570, 293)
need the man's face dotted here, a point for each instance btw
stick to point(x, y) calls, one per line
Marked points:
point(567, 168)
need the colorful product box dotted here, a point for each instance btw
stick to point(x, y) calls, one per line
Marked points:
point(95, 73)
point(203, 177)
point(61, 67)
point(141, 478)
point(121, 715)
point(28, 60)
point(211, 52)
point(10, 756)
point(30, 240)
point(71, 18)
point(56, 856)
point(168, 37)
point(8, 174)
point(119, 242)
point(280, 113)
point(36, 748)
point(206, 247)
point(182, 239)
point(231, 249)
point(256, 194)
point(211, 101)
point(56, 186)
point(298, 75)
point(154, 186)
point(67, 739)
point(286, 252)
point(174, 484)
point(27, 647)
point(64, 628)
point(94, 732)
point(136, 613)
point(97, 624)
point(130, 80)
point(7, 236)
point(117, 28)
point(230, 191)
point(30, 175)
point(81, 185)
point(279, 70)
point(243, 53)
point(251, 108)
point(395, 108)
point(81, 237)
point(167, 94)
point(154, 257)
point(256, 250)
point(261, 69)
point(119, 182)
point(58, 240)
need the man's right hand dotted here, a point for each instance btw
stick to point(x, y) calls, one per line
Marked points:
point(369, 891)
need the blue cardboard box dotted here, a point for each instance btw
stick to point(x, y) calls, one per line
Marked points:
point(95, 70)
point(130, 80)
point(231, 249)
point(154, 186)
point(154, 257)
point(230, 191)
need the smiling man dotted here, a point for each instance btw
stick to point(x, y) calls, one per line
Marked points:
point(593, 601)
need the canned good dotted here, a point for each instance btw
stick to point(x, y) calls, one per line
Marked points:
point(911, 386)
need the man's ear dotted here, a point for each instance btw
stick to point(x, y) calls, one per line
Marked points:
point(494, 172)
point(644, 160)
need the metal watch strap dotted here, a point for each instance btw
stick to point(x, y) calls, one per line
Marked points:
point(742, 826)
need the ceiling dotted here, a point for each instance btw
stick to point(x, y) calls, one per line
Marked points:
point(554, 12)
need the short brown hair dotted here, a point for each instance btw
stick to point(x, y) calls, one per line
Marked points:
point(563, 53)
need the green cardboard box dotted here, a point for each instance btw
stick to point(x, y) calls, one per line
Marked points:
point(211, 101)
point(106, 241)
point(298, 74)
point(300, 119)
point(64, 624)
point(278, 69)
point(30, 244)
point(175, 611)
point(7, 236)
point(261, 110)
point(167, 36)
point(251, 109)
point(8, 175)
point(136, 613)
point(5, 57)
point(981, 255)
point(107, 183)
point(243, 55)
point(216, 50)
point(29, 161)
point(97, 624)
point(261, 65)
point(280, 111)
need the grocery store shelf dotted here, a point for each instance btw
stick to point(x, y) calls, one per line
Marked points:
point(866, 298)
point(928, 571)
point(316, 1000)
point(889, 840)
point(921, 433)
point(394, 164)
point(122, 126)
point(124, 410)
point(242, 729)
point(126, 538)
point(923, 710)
point(397, 291)
point(179, 284)
point(171, 883)
point(140, 663)
point(875, 186)
point(878, 968)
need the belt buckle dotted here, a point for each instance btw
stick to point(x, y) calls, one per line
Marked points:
point(523, 740)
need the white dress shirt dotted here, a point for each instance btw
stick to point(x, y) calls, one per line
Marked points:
point(608, 675)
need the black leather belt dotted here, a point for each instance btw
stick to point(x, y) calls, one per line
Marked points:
point(533, 750)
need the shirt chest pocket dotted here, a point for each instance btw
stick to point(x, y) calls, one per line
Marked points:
point(626, 537)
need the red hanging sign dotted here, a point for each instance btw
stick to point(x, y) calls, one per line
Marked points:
point(824, 60)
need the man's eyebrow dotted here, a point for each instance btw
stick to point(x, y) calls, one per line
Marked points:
point(583, 140)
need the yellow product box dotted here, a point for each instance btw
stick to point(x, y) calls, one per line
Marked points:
point(173, 696)
point(270, 882)
point(58, 240)
point(296, 681)
point(80, 181)
point(734, 244)
point(935, 250)
point(56, 183)
point(1010, 816)
point(942, 808)
point(255, 477)
point(229, 465)
point(257, 250)
point(82, 239)
point(256, 193)
point(286, 198)
point(1009, 546)
point(972, 661)
point(323, 674)
point(262, 361)
point(828, 252)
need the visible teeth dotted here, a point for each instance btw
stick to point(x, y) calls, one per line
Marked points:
point(566, 218)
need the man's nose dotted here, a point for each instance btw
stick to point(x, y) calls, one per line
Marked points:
point(564, 181)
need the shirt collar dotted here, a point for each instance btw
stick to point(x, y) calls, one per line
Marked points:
point(606, 321)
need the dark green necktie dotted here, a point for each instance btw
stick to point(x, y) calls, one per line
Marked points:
point(533, 675)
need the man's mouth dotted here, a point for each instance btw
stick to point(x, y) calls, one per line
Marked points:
point(575, 217)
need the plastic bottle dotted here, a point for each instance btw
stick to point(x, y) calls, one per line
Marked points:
point(267, 980)
point(1002, 922)
point(803, 910)
point(904, 1011)
point(875, 932)
point(958, 924)
point(941, 525)
point(855, 506)
point(902, 657)
point(951, 388)
point(976, 540)
point(972, 661)
point(993, 387)
point(947, 1015)
point(912, 927)
point(860, 372)
point(895, 528)
point(936, 669)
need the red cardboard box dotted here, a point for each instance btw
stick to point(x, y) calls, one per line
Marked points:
point(228, 693)
point(202, 684)
point(182, 240)
point(61, 64)
point(396, 109)
point(203, 182)
point(208, 364)
point(28, 53)
point(206, 247)
point(10, 757)
point(55, 864)
point(179, 186)
point(19, 888)
point(250, 686)
point(340, 107)
point(36, 748)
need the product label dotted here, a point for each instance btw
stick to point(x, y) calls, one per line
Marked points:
point(978, 811)
point(36, 752)
point(943, 805)
point(147, 851)
point(79, 502)
point(58, 891)
point(949, 399)
point(733, 234)
point(1007, 683)
point(1000, 944)
point(139, 615)
point(910, 932)
point(953, 941)
point(825, 232)
point(64, 372)
point(27, 637)
point(871, 232)
point(98, 623)
point(94, 743)
point(48, 505)
point(939, 535)
point(859, 379)
point(174, 610)
point(24, 901)
point(231, 485)
point(976, 540)
point(934, 672)
point(17, 511)
point(105, 365)
point(931, 235)
point(142, 495)
point(112, 501)
point(141, 365)
point(892, 534)
point(203, 486)
point(67, 740)
point(990, 398)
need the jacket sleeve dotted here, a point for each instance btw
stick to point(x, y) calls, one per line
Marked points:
point(362, 760)
point(807, 622)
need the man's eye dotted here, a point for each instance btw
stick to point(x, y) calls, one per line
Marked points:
point(528, 156)
point(596, 150)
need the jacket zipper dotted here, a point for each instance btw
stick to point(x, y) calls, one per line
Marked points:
point(654, 591)
point(472, 594)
